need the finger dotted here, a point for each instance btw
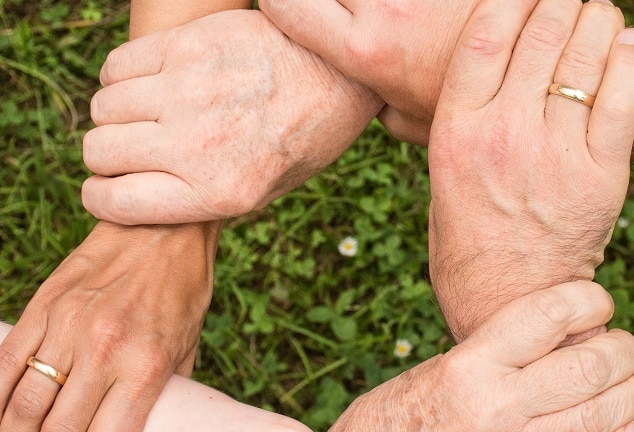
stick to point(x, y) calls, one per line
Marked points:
point(141, 57)
point(34, 395)
point(129, 101)
point(582, 65)
point(404, 127)
point(114, 149)
point(533, 325)
point(186, 367)
point(127, 405)
point(142, 198)
point(611, 126)
point(577, 373)
point(478, 65)
point(539, 49)
point(322, 27)
point(22, 342)
point(606, 412)
point(80, 397)
point(120, 413)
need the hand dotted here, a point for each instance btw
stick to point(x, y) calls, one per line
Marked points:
point(399, 49)
point(508, 376)
point(527, 186)
point(118, 316)
point(213, 119)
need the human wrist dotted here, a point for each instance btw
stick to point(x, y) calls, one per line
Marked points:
point(192, 245)
point(475, 269)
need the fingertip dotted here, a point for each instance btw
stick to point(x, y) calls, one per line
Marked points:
point(590, 298)
point(405, 128)
point(626, 37)
point(97, 198)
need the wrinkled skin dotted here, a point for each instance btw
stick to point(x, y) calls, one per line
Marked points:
point(118, 321)
point(586, 387)
point(400, 49)
point(526, 186)
point(246, 97)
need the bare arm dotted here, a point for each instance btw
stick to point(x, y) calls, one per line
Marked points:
point(117, 318)
point(185, 405)
point(149, 16)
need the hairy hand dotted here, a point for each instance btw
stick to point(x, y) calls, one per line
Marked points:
point(213, 119)
point(399, 49)
point(118, 316)
point(527, 186)
point(508, 376)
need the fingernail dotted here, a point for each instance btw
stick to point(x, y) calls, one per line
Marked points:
point(629, 427)
point(602, 1)
point(626, 37)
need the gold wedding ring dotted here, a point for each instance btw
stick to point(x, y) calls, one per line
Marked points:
point(47, 370)
point(572, 94)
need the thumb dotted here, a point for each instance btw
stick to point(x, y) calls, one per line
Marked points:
point(532, 326)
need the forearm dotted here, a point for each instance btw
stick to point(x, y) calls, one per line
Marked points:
point(148, 16)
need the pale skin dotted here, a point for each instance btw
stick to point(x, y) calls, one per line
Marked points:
point(120, 344)
point(544, 179)
point(354, 88)
point(372, 60)
point(469, 323)
point(520, 258)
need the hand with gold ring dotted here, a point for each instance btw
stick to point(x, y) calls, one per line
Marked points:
point(103, 334)
point(47, 370)
point(528, 178)
point(185, 405)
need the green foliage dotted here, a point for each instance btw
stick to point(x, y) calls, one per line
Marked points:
point(295, 326)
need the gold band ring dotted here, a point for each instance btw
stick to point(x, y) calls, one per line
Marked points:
point(572, 94)
point(47, 370)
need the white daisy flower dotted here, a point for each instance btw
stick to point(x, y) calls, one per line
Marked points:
point(403, 348)
point(622, 222)
point(348, 247)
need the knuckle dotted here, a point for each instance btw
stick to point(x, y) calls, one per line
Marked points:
point(60, 425)
point(9, 361)
point(118, 201)
point(583, 58)
point(155, 362)
point(618, 110)
point(365, 52)
point(594, 369)
point(393, 8)
point(152, 370)
point(107, 335)
point(545, 34)
point(114, 61)
point(590, 417)
point(604, 12)
point(484, 39)
point(27, 405)
point(553, 309)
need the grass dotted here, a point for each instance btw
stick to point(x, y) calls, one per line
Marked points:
point(294, 326)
